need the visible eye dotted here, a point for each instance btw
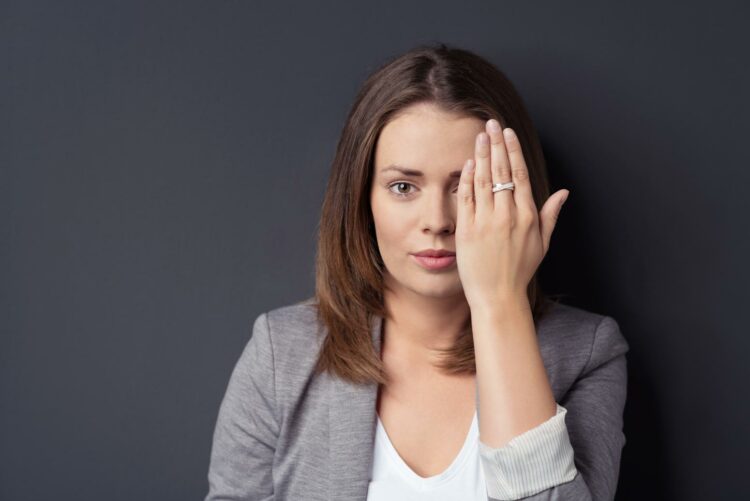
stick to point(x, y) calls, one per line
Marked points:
point(400, 183)
point(403, 183)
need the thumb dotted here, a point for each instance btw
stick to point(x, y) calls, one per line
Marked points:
point(549, 215)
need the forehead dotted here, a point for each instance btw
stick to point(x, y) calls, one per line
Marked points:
point(425, 137)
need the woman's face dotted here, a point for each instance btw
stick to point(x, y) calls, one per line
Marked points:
point(417, 211)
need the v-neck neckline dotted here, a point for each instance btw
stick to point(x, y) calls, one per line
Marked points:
point(469, 444)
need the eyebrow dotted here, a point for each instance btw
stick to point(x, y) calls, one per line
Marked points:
point(417, 173)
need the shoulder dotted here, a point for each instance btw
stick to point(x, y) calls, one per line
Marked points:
point(573, 341)
point(294, 335)
point(293, 320)
point(567, 326)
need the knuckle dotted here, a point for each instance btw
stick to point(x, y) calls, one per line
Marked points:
point(503, 221)
point(520, 174)
point(505, 172)
point(526, 218)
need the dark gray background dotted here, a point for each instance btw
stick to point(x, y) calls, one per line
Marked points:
point(162, 169)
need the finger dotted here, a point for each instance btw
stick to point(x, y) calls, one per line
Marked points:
point(524, 198)
point(549, 215)
point(465, 202)
point(500, 165)
point(482, 176)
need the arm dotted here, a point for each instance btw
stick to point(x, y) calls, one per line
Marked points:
point(246, 430)
point(531, 462)
point(536, 465)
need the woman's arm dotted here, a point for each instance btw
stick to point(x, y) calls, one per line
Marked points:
point(514, 389)
point(244, 440)
point(525, 468)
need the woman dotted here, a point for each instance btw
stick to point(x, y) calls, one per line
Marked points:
point(372, 388)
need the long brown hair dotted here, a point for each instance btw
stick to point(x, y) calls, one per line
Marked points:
point(348, 267)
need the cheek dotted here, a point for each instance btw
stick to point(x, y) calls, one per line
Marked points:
point(392, 224)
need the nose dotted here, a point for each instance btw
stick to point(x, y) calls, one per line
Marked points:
point(439, 214)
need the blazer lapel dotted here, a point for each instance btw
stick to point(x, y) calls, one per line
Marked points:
point(352, 420)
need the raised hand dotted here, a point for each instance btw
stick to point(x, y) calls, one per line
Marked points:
point(501, 239)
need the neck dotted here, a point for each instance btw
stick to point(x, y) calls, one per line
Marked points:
point(417, 325)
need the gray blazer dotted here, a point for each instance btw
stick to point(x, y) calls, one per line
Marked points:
point(282, 433)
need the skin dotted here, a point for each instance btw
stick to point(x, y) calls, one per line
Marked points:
point(427, 308)
point(499, 239)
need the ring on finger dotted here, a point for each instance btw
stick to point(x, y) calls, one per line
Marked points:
point(503, 186)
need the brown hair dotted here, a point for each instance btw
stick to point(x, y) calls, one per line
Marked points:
point(349, 268)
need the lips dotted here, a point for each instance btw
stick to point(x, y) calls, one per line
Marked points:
point(434, 253)
point(435, 263)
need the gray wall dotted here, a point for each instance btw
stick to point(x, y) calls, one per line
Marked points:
point(156, 196)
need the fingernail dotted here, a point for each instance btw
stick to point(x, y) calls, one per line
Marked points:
point(509, 134)
point(494, 125)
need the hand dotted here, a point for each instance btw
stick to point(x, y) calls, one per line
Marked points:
point(500, 238)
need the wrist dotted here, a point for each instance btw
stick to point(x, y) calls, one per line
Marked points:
point(501, 307)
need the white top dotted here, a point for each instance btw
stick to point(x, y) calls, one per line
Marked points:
point(393, 480)
point(531, 462)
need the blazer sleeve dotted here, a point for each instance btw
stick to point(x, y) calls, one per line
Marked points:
point(244, 440)
point(537, 465)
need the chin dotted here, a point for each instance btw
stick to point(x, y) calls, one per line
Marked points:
point(438, 286)
point(424, 283)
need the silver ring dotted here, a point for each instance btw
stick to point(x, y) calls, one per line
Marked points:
point(502, 186)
